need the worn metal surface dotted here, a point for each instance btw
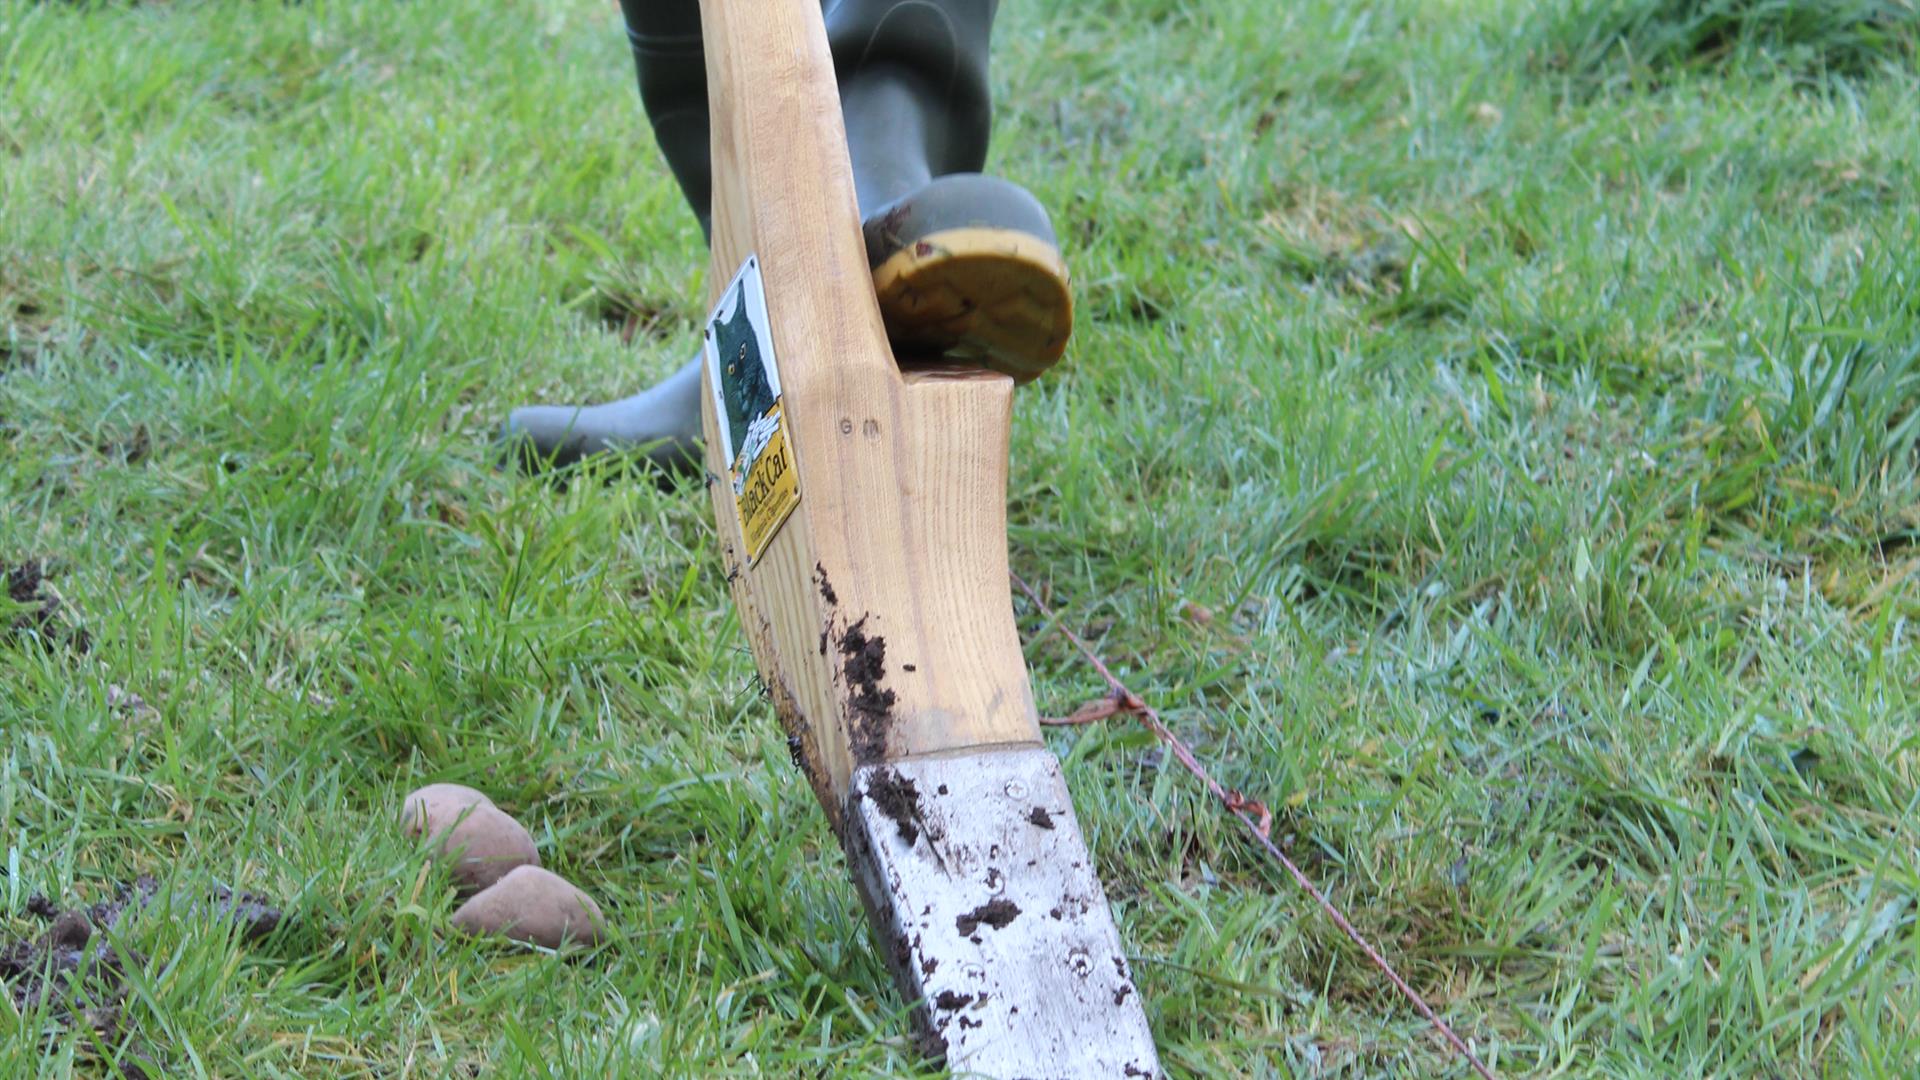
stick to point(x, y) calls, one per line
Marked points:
point(976, 875)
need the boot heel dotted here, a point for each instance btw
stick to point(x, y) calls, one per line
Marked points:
point(993, 296)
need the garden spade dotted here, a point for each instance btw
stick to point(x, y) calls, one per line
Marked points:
point(861, 505)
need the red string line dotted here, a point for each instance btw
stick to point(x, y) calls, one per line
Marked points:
point(1254, 815)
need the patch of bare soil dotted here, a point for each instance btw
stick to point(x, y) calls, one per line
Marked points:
point(78, 973)
point(35, 611)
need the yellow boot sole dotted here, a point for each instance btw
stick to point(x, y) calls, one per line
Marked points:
point(997, 297)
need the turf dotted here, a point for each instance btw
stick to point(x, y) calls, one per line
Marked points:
point(1489, 436)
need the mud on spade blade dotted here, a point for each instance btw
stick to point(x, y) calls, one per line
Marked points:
point(976, 876)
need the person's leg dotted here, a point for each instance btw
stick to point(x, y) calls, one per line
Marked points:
point(965, 266)
point(672, 71)
point(665, 418)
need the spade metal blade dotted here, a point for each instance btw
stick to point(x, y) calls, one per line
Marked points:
point(980, 886)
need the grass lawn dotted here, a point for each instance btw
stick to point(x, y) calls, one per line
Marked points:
point(1490, 437)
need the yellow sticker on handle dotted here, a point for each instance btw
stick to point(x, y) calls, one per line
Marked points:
point(744, 379)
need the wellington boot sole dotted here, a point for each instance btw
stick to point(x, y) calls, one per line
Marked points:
point(996, 297)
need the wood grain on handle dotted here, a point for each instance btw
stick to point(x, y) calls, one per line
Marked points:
point(879, 615)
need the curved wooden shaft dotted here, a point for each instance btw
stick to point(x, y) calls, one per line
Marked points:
point(879, 613)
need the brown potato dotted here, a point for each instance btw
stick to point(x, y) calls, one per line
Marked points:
point(536, 906)
point(487, 842)
point(431, 810)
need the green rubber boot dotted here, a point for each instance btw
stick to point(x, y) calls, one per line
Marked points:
point(966, 267)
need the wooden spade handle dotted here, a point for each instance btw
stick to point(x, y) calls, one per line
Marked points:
point(879, 614)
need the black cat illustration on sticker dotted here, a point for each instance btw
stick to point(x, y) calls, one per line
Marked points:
point(746, 391)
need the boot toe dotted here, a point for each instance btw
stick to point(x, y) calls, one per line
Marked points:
point(537, 438)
